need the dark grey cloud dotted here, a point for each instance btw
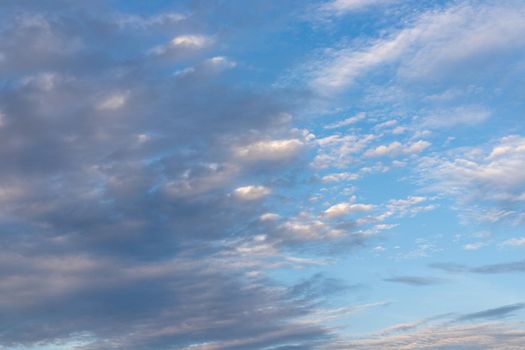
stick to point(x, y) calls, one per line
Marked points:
point(515, 266)
point(140, 306)
point(116, 214)
point(319, 286)
point(417, 281)
point(496, 313)
point(448, 267)
point(508, 267)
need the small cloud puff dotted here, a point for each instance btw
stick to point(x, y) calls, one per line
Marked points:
point(515, 242)
point(113, 102)
point(271, 150)
point(183, 43)
point(251, 192)
point(346, 209)
point(397, 148)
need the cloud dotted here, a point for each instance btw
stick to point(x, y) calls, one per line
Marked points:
point(414, 280)
point(269, 217)
point(447, 331)
point(495, 335)
point(496, 313)
point(113, 102)
point(340, 150)
point(118, 222)
point(515, 242)
point(475, 246)
point(251, 192)
point(194, 41)
point(396, 148)
point(432, 45)
point(490, 174)
point(318, 286)
point(341, 7)
point(221, 62)
point(517, 266)
point(466, 115)
point(347, 122)
point(147, 22)
point(181, 45)
point(271, 150)
point(508, 267)
point(347, 209)
point(340, 177)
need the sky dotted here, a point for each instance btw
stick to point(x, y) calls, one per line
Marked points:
point(262, 174)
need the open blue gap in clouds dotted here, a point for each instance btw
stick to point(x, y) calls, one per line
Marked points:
point(258, 174)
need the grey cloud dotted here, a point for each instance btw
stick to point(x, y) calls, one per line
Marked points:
point(414, 280)
point(496, 313)
point(177, 303)
point(449, 267)
point(516, 266)
point(454, 337)
point(115, 190)
point(508, 267)
point(319, 286)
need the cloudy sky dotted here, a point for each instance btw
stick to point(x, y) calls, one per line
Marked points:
point(262, 174)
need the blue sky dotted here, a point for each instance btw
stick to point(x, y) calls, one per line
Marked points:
point(260, 174)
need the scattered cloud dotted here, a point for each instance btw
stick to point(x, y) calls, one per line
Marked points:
point(347, 122)
point(416, 281)
point(251, 192)
point(491, 175)
point(347, 209)
point(466, 115)
point(496, 313)
point(434, 43)
point(340, 7)
point(514, 242)
point(396, 148)
point(271, 150)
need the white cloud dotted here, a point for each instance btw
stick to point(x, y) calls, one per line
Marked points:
point(475, 246)
point(339, 151)
point(416, 147)
point(386, 124)
point(435, 42)
point(251, 192)
point(340, 177)
point(493, 175)
point(346, 209)
point(466, 115)
point(113, 102)
point(393, 148)
point(271, 150)
point(409, 206)
point(485, 335)
point(183, 42)
point(311, 229)
point(142, 22)
point(348, 121)
point(515, 242)
point(398, 130)
point(498, 172)
point(269, 217)
point(221, 62)
point(190, 41)
point(396, 148)
point(340, 7)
